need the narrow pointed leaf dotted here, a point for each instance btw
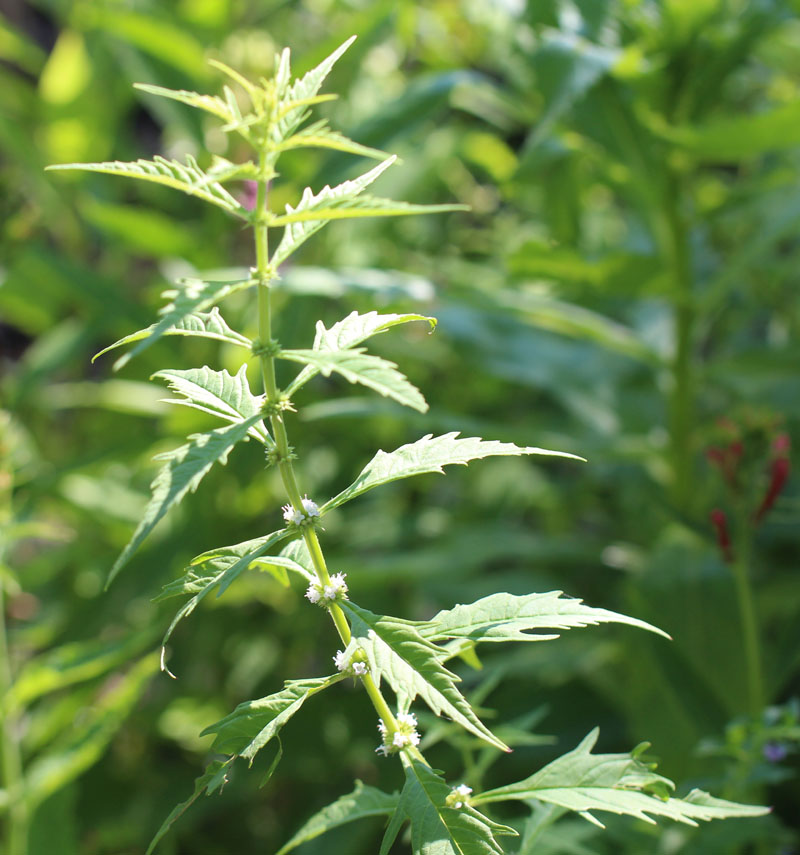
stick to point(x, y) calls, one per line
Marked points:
point(218, 393)
point(356, 366)
point(430, 454)
point(253, 724)
point(506, 617)
point(182, 472)
point(319, 135)
point(437, 828)
point(362, 803)
point(184, 315)
point(298, 231)
point(209, 103)
point(214, 778)
point(616, 783)
point(363, 206)
point(413, 667)
point(348, 332)
point(188, 178)
point(201, 324)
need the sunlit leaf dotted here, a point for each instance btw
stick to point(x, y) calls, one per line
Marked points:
point(413, 667)
point(617, 783)
point(506, 617)
point(218, 393)
point(319, 135)
point(429, 454)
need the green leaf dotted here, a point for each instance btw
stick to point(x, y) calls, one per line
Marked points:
point(188, 178)
point(254, 723)
point(183, 471)
point(506, 617)
point(84, 744)
point(413, 667)
point(429, 454)
point(183, 315)
point(214, 778)
point(362, 803)
point(218, 393)
point(218, 567)
point(212, 104)
point(319, 135)
point(617, 783)
point(201, 324)
point(437, 828)
point(348, 332)
point(356, 366)
point(362, 206)
point(297, 232)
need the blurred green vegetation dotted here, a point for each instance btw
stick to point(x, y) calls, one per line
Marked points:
point(624, 287)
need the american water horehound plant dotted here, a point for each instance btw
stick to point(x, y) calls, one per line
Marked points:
point(447, 817)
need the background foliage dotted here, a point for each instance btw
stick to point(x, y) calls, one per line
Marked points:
point(624, 288)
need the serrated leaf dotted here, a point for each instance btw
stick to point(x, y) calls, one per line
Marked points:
point(437, 828)
point(348, 332)
point(218, 393)
point(212, 104)
point(183, 315)
point(362, 206)
point(356, 366)
point(297, 232)
point(294, 99)
point(413, 667)
point(507, 617)
point(429, 454)
point(319, 135)
point(183, 471)
point(254, 723)
point(188, 178)
point(617, 783)
point(214, 778)
point(362, 803)
point(201, 324)
point(211, 569)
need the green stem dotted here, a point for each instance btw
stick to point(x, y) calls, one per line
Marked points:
point(16, 832)
point(263, 277)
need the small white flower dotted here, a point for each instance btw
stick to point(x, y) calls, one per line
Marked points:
point(400, 740)
point(291, 516)
point(310, 507)
point(458, 796)
point(341, 660)
point(382, 727)
point(414, 737)
point(337, 586)
point(407, 718)
point(359, 668)
point(312, 594)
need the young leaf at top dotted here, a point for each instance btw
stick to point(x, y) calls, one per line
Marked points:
point(319, 135)
point(429, 454)
point(218, 393)
point(507, 617)
point(183, 471)
point(349, 332)
point(213, 104)
point(183, 315)
point(618, 783)
point(188, 178)
point(253, 724)
point(437, 828)
point(413, 667)
point(362, 803)
point(356, 366)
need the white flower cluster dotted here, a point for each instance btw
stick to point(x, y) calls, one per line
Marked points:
point(405, 736)
point(343, 663)
point(324, 594)
point(458, 796)
point(307, 516)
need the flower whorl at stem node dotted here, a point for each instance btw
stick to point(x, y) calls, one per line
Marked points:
point(405, 736)
point(324, 594)
point(354, 664)
point(275, 408)
point(307, 516)
point(265, 348)
point(458, 797)
point(275, 457)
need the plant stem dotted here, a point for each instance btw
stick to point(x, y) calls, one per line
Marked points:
point(16, 833)
point(263, 278)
